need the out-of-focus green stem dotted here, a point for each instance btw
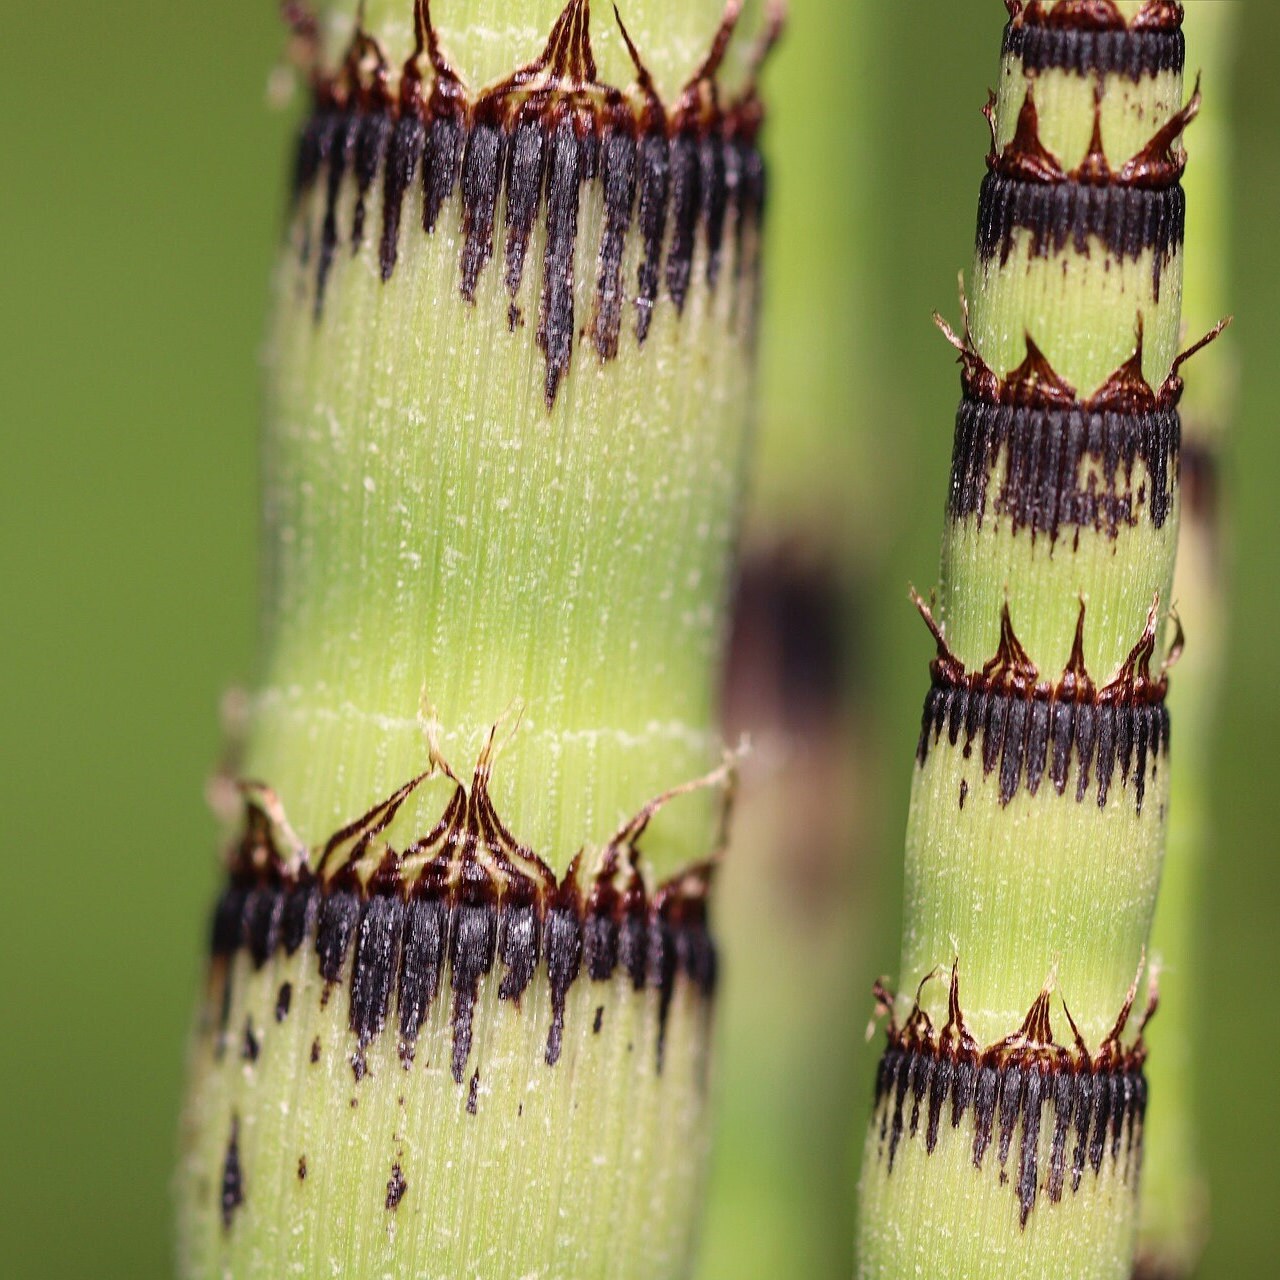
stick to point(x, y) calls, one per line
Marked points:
point(781, 1199)
point(1174, 1198)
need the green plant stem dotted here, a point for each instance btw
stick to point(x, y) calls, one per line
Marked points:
point(468, 1035)
point(1007, 1134)
point(1174, 1215)
point(780, 1200)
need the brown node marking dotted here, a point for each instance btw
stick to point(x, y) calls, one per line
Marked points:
point(1094, 15)
point(1024, 156)
point(466, 896)
point(1158, 15)
point(1095, 168)
point(1076, 684)
point(1029, 726)
point(1035, 384)
point(1015, 1083)
point(1010, 670)
point(1160, 163)
point(1127, 390)
point(448, 95)
point(538, 137)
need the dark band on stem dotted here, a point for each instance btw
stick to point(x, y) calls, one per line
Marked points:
point(1093, 1104)
point(440, 916)
point(1133, 54)
point(1022, 739)
point(1128, 221)
point(688, 178)
point(1071, 467)
point(1026, 726)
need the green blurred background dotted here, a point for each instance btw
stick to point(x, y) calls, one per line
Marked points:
point(139, 213)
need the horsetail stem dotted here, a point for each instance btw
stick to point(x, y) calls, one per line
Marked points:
point(457, 1013)
point(1173, 1218)
point(1009, 1110)
point(780, 1200)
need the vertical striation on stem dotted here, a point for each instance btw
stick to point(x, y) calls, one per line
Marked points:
point(1010, 1107)
point(477, 799)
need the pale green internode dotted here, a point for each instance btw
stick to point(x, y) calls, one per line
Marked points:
point(453, 541)
point(1008, 1130)
point(590, 1168)
point(436, 536)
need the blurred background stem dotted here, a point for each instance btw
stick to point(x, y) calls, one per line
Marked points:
point(794, 910)
point(1174, 1216)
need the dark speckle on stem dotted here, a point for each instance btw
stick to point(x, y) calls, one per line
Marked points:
point(396, 1187)
point(233, 1188)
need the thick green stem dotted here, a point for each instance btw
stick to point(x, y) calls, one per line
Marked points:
point(458, 1008)
point(1007, 1134)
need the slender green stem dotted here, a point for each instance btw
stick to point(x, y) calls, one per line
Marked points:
point(780, 1201)
point(1174, 1197)
point(1007, 1134)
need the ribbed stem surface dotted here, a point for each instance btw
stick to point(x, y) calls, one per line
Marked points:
point(458, 1009)
point(1007, 1133)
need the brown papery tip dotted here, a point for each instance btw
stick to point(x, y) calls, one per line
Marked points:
point(682, 178)
point(1157, 165)
point(930, 1080)
point(1035, 384)
point(461, 899)
point(1094, 15)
